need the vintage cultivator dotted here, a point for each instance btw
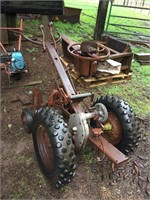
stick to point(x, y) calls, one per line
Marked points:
point(13, 62)
point(62, 126)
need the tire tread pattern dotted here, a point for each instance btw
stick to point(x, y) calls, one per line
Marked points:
point(130, 125)
point(62, 145)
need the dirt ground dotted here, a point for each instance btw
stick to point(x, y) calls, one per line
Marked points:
point(95, 179)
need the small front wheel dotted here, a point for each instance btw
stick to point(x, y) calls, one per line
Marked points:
point(27, 120)
point(124, 133)
point(53, 146)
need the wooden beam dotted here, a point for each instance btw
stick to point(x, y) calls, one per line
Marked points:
point(45, 22)
point(4, 33)
point(33, 7)
point(101, 18)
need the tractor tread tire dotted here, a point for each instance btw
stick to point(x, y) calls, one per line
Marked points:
point(130, 125)
point(62, 145)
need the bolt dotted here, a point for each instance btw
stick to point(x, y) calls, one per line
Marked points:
point(74, 130)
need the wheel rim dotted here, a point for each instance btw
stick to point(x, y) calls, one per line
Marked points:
point(45, 148)
point(114, 136)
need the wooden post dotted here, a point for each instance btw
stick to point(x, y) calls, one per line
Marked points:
point(11, 22)
point(101, 18)
point(45, 22)
point(4, 33)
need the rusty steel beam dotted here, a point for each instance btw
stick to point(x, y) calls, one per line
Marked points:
point(60, 69)
point(112, 152)
point(120, 55)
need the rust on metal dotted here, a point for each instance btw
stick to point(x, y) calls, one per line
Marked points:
point(114, 135)
point(37, 99)
point(58, 98)
point(97, 131)
point(85, 56)
point(111, 151)
point(19, 29)
point(119, 51)
point(3, 48)
point(60, 69)
point(20, 36)
point(71, 15)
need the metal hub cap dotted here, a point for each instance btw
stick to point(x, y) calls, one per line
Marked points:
point(114, 136)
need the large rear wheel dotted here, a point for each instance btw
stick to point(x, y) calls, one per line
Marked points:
point(53, 146)
point(124, 133)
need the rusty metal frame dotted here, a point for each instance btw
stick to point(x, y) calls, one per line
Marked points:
point(110, 150)
point(19, 29)
point(85, 68)
point(67, 99)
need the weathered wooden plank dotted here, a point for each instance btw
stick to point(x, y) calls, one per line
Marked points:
point(142, 56)
point(33, 7)
point(93, 82)
point(4, 35)
point(101, 18)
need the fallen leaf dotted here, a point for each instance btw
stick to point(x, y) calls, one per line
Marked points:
point(9, 125)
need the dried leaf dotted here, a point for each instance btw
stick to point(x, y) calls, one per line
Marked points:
point(9, 125)
point(112, 183)
point(148, 179)
point(146, 164)
point(113, 166)
point(143, 158)
point(139, 172)
point(136, 169)
point(125, 176)
point(141, 178)
point(147, 192)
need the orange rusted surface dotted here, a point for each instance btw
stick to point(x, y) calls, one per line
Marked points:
point(111, 151)
point(37, 99)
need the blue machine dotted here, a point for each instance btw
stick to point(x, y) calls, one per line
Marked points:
point(17, 62)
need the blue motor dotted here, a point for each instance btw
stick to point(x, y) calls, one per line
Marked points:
point(17, 62)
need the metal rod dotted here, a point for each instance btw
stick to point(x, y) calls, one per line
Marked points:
point(129, 17)
point(51, 34)
point(109, 15)
point(20, 36)
point(3, 48)
point(128, 33)
point(80, 95)
point(144, 27)
point(9, 28)
point(111, 151)
point(130, 7)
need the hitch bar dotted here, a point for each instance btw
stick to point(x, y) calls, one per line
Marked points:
point(111, 151)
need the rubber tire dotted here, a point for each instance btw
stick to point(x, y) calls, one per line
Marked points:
point(28, 127)
point(62, 146)
point(130, 126)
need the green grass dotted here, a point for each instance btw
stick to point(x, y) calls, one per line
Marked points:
point(128, 12)
point(136, 92)
point(90, 8)
point(75, 31)
point(84, 4)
